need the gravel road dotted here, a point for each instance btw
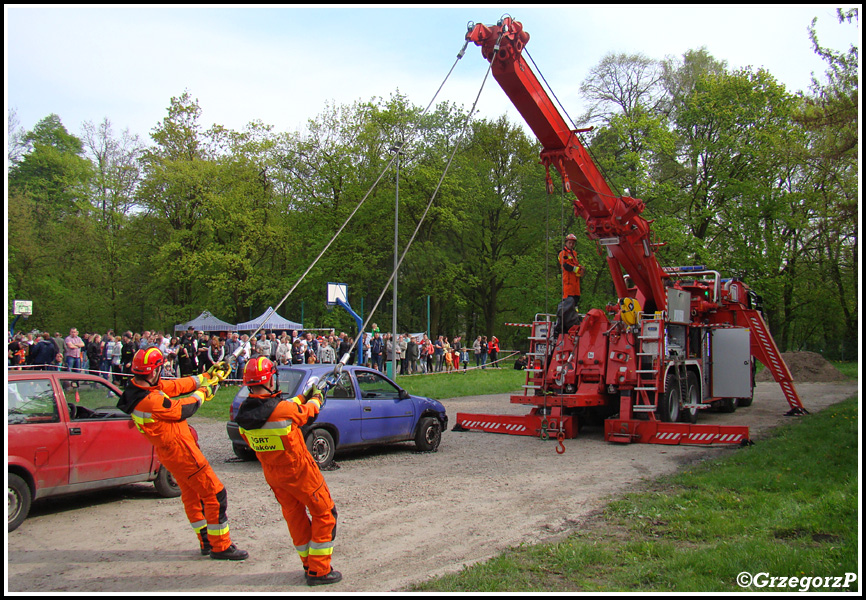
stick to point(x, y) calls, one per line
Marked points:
point(403, 516)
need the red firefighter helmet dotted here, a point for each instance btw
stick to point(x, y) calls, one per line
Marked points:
point(571, 236)
point(147, 360)
point(259, 371)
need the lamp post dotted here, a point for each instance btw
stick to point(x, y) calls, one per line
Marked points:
point(395, 150)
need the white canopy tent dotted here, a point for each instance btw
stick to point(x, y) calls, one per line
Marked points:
point(206, 322)
point(269, 320)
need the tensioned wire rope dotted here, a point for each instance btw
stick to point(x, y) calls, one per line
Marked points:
point(345, 357)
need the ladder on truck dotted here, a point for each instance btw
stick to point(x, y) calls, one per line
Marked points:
point(543, 421)
point(539, 351)
point(650, 354)
point(763, 346)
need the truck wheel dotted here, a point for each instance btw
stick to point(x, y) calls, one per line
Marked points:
point(244, 452)
point(744, 402)
point(18, 501)
point(668, 408)
point(165, 484)
point(429, 434)
point(693, 396)
point(321, 445)
point(728, 405)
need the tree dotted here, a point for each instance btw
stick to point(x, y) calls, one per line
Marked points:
point(116, 167)
point(622, 84)
point(208, 236)
point(501, 176)
point(15, 145)
point(831, 181)
point(51, 247)
point(53, 174)
point(117, 173)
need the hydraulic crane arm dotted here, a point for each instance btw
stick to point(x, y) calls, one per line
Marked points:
point(614, 221)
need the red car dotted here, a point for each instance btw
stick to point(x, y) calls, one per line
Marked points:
point(66, 435)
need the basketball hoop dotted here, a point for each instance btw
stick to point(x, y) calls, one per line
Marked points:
point(336, 291)
point(22, 307)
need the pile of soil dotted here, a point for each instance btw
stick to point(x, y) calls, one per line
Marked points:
point(806, 367)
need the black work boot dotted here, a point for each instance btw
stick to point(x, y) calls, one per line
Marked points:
point(230, 553)
point(332, 577)
point(204, 542)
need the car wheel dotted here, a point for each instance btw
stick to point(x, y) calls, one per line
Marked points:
point(321, 446)
point(244, 452)
point(429, 434)
point(165, 484)
point(18, 502)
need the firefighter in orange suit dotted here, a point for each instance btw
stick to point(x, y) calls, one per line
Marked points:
point(161, 416)
point(271, 425)
point(572, 271)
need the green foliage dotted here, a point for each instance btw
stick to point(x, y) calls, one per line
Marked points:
point(53, 174)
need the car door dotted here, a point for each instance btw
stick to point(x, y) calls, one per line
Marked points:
point(37, 435)
point(384, 414)
point(103, 441)
point(343, 410)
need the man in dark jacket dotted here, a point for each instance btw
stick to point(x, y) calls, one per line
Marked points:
point(127, 352)
point(376, 351)
point(44, 352)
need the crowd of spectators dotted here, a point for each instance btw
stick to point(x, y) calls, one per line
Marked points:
point(419, 354)
point(110, 355)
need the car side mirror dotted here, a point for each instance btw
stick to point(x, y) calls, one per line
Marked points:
point(403, 395)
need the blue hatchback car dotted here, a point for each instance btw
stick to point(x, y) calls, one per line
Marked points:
point(363, 408)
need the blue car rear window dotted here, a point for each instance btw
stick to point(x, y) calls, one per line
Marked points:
point(290, 380)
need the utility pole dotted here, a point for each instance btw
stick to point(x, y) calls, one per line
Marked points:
point(395, 150)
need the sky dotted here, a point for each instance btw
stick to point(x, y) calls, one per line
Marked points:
point(282, 65)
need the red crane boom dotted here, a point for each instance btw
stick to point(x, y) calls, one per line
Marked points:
point(614, 221)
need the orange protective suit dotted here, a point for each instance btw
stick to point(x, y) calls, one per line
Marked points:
point(571, 273)
point(271, 426)
point(161, 417)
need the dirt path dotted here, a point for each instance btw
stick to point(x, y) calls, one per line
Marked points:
point(403, 516)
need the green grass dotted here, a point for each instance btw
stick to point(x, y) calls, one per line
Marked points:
point(848, 369)
point(471, 383)
point(786, 506)
point(218, 408)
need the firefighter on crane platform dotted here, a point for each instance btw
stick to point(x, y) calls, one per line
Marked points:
point(572, 270)
point(161, 416)
point(271, 425)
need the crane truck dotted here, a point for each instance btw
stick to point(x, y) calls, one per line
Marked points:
point(679, 340)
